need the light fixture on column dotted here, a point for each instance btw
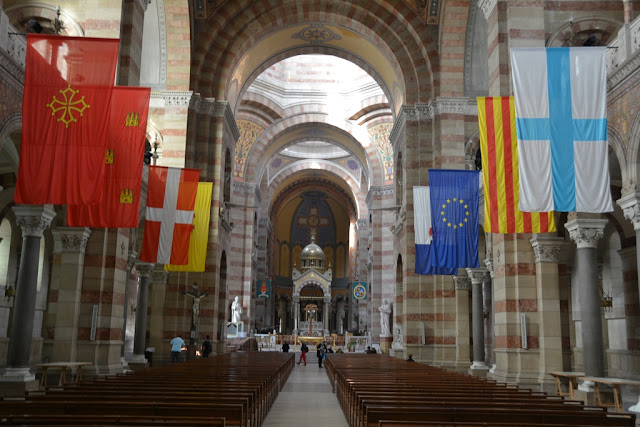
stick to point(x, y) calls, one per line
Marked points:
point(9, 291)
point(606, 300)
point(57, 23)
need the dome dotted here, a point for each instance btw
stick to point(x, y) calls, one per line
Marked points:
point(312, 251)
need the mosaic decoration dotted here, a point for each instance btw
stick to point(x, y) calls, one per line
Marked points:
point(316, 34)
point(313, 217)
point(380, 138)
point(349, 162)
point(249, 132)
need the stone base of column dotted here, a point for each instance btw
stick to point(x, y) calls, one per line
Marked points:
point(479, 369)
point(385, 343)
point(635, 408)
point(17, 381)
point(138, 362)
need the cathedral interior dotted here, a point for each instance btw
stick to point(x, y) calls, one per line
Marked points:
point(315, 119)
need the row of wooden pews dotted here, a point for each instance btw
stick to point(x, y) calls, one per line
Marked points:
point(234, 389)
point(377, 390)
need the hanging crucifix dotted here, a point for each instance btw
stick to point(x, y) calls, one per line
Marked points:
point(195, 308)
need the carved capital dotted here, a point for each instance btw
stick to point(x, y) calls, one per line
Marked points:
point(489, 264)
point(144, 268)
point(462, 283)
point(547, 249)
point(173, 98)
point(631, 208)
point(71, 239)
point(159, 277)
point(487, 6)
point(476, 275)
point(586, 232)
point(450, 105)
point(33, 219)
point(131, 261)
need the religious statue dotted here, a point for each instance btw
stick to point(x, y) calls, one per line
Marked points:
point(385, 313)
point(195, 308)
point(397, 339)
point(236, 311)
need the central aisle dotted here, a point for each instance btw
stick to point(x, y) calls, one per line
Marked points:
point(306, 398)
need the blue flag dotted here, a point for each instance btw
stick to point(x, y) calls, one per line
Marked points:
point(454, 218)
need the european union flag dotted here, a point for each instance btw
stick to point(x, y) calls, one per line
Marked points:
point(454, 217)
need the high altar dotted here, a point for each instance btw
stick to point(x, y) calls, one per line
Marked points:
point(312, 273)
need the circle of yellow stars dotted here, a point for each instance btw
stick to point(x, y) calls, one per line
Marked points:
point(451, 202)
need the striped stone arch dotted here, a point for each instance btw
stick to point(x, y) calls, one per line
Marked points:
point(354, 202)
point(395, 28)
point(261, 106)
point(271, 141)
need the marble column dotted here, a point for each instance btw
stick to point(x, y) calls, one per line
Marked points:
point(70, 245)
point(462, 288)
point(630, 204)
point(477, 318)
point(33, 220)
point(144, 271)
point(586, 232)
point(546, 250)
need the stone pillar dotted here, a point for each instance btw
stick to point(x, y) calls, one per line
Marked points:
point(70, 246)
point(125, 312)
point(477, 318)
point(631, 209)
point(586, 232)
point(547, 255)
point(144, 271)
point(296, 314)
point(463, 351)
point(487, 292)
point(325, 313)
point(33, 220)
point(130, 52)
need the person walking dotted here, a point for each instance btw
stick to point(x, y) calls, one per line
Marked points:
point(176, 348)
point(207, 348)
point(321, 349)
point(303, 351)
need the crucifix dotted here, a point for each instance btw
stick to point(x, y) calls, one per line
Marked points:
point(313, 220)
point(195, 308)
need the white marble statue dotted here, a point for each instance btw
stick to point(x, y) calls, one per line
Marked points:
point(236, 311)
point(385, 313)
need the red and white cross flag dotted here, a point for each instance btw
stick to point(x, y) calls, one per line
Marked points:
point(171, 198)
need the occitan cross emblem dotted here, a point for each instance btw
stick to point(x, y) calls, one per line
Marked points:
point(68, 106)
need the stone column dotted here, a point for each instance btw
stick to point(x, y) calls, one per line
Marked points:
point(487, 291)
point(325, 314)
point(131, 261)
point(144, 271)
point(70, 246)
point(547, 255)
point(462, 288)
point(477, 318)
point(586, 233)
point(296, 314)
point(631, 209)
point(33, 220)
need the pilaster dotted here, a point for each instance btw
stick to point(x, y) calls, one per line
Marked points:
point(462, 332)
point(477, 317)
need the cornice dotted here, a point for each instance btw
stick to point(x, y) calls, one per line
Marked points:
point(173, 98)
point(443, 105)
point(623, 71)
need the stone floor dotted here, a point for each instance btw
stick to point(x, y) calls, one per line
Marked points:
point(306, 398)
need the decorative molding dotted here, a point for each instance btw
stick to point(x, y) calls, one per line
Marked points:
point(131, 261)
point(381, 190)
point(477, 274)
point(489, 264)
point(144, 268)
point(243, 187)
point(33, 219)
point(362, 224)
point(442, 105)
point(316, 34)
point(71, 240)
point(173, 98)
point(462, 283)
point(547, 249)
point(586, 232)
point(159, 277)
point(487, 7)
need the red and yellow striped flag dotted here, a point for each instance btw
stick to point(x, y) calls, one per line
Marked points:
point(499, 148)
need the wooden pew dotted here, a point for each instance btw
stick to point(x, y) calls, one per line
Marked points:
point(112, 420)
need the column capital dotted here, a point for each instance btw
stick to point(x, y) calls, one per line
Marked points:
point(159, 276)
point(71, 239)
point(547, 248)
point(586, 232)
point(629, 203)
point(144, 268)
point(476, 275)
point(131, 261)
point(462, 283)
point(33, 219)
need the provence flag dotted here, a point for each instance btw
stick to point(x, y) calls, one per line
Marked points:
point(454, 201)
point(561, 112)
point(499, 147)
